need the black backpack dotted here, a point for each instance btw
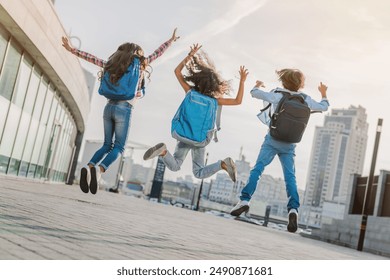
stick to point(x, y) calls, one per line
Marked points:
point(288, 122)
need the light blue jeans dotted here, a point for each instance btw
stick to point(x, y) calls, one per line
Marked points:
point(116, 119)
point(286, 154)
point(199, 169)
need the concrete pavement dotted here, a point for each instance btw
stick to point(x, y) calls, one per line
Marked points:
point(56, 221)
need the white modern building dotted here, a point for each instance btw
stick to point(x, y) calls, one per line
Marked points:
point(44, 99)
point(338, 151)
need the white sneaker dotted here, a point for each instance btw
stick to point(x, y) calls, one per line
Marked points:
point(154, 151)
point(241, 207)
point(85, 179)
point(231, 168)
point(292, 225)
point(96, 174)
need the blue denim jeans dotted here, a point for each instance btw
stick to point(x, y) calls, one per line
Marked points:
point(286, 154)
point(199, 169)
point(116, 119)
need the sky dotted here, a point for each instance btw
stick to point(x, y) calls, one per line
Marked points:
point(344, 44)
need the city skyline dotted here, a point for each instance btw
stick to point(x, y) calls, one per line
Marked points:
point(45, 100)
point(345, 46)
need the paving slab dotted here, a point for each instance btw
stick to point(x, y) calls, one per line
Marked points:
point(49, 221)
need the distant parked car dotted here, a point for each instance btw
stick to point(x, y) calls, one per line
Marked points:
point(306, 231)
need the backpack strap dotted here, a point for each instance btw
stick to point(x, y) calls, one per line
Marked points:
point(265, 108)
point(269, 104)
point(218, 122)
point(281, 101)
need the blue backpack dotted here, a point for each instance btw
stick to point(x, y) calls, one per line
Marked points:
point(126, 87)
point(195, 120)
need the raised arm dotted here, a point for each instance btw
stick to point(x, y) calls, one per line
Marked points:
point(181, 65)
point(323, 104)
point(159, 52)
point(84, 55)
point(240, 93)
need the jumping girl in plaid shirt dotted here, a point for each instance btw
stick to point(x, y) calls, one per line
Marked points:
point(116, 114)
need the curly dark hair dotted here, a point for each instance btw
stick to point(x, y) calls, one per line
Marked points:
point(203, 77)
point(120, 60)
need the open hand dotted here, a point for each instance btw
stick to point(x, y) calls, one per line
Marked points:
point(194, 49)
point(174, 37)
point(243, 73)
point(65, 44)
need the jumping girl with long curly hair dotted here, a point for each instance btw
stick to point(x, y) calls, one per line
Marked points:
point(202, 79)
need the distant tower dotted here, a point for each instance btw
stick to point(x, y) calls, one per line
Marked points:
point(338, 151)
point(240, 156)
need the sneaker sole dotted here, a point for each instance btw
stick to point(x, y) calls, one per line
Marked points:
point(240, 210)
point(83, 180)
point(153, 152)
point(234, 175)
point(292, 223)
point(93, 186)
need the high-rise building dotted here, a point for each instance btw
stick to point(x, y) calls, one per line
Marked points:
point(338, 151)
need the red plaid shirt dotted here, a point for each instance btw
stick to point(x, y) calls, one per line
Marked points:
point(101, 62)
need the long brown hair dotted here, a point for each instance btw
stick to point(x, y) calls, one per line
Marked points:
point(120, 60)
point(203, 76)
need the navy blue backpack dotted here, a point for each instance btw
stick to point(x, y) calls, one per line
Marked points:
point(126, 87)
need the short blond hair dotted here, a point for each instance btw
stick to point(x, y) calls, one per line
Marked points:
point(291, 78)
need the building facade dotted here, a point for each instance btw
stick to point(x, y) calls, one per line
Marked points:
point(346, 231)
point(338, 151)
point(44, 100)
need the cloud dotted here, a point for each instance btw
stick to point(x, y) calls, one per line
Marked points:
point(238, 11)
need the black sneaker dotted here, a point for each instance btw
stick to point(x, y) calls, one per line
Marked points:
point(85, 177)
point(292, 220)
point(95, 178)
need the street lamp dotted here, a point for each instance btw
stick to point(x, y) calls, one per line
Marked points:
point(368, 195)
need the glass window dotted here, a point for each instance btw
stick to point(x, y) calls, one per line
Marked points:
point(32, 132)
point(38, 113)
point(13, 167)
point(22, 82)
point(15, 111)
point(58, 149)
point(3, 164)
point(3, 45)
point(32, 91)
point(10, 129)
point(46, 139)
point(47, 105)
point(40, 99)
point(10, 70)
point(53, 143)
point(4, 105)
point(21, 135)
point(38, 143)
